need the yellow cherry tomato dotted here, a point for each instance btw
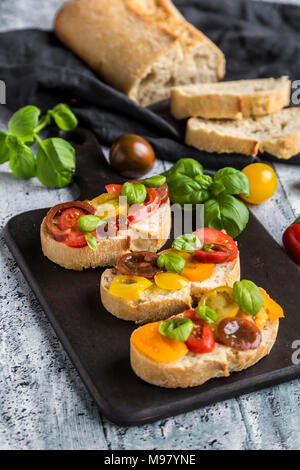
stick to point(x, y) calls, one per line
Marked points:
point(193, 270)
point(221, 301)
point(107, 205)
point(170, 281)
point(262, 182)
point(129, 287)
point(149, 342)
point(261, 318)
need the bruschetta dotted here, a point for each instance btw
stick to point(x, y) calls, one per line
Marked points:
point(146, 286)
point(190, 348)
point(78, 235)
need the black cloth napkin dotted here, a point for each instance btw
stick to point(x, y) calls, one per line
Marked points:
point(258, 39)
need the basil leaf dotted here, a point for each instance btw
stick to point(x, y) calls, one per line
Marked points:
point(234, 181)
point(136, 193)
point(185, 167)
point(91, 241)
point(216, 188)
point(21, 159)
point(178, 328)
point(207, 314)
point(248, 297)
point(155, 181)
point(226, 212)
point(185, 190)
point(205, 181)
point(188, 243)
point(88, 223)
point(55, 162)
point(23, 123)
point(5, 150)
point(171, 262)
point(63, 117)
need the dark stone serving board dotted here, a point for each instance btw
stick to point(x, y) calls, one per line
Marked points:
point(98, 343)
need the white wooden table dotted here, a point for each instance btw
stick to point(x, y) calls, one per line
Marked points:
point(43, 403)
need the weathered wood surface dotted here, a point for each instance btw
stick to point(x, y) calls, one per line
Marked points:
point(43, 403)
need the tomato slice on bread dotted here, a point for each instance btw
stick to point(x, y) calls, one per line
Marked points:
point(213, 253)
point(68, 220)
point(201, 340)
point(210, 235)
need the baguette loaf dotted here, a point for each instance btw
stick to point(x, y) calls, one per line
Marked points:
point(158, 304)
point(278, 134)
point(195, 369)
point(140, 47)
point(231, 100)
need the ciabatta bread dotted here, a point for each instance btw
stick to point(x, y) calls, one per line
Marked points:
point(231, 100)
point(140, 47)
point(158, 304)
point(278, 134)
point(195, 369)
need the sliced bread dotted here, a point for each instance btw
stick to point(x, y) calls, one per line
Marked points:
point(278, 134)
point(195, 369)
point(158, 304)
point(231, 100)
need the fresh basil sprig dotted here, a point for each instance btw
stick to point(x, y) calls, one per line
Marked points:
point(155, 181)
point(248, 297)
point(188, 243)
point(207, 314)
point(54, 163)
point(136, 193)
point(178, 328)
point(171, 262)
point(222, 210)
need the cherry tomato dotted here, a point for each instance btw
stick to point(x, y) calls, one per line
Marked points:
point(210, 235)
point(291, 240)
point(163, 192)
point(68, 220)
point(131, 155)
point(114, 188)
point(139, 212)
point(215, 254)
point(201, 340)
point(239, 333)
point(139, 263)
point(262, 182)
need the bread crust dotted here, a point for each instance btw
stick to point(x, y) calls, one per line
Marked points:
point(144, 236)
point(127, 42)
point(226, 104)
point(212, 141)
point(195, 369)
point(157, 306)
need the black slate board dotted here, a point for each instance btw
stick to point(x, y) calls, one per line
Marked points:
point(98, 343)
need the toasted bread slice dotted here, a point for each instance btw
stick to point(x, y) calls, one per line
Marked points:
point(158, 304)
point(231, 100)
point(278, 134)
point(195, 369)
point(148, 235)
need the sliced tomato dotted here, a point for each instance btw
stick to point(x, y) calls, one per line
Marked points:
point(76, 240)
point(139, 212)
point(114, 188)
point(201, 340)
point(239, 333)
point(163, 192)
point(69, 217)
point(215, 254)
point(211, 235)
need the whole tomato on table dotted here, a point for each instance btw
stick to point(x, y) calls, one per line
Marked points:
point(291, 240)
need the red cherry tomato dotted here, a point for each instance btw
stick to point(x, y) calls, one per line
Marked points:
point(201, 340)
point(211, 235)
point(139, 212)
point(114, 188)
point(291, 240)
point(163, 192)
point(215, 254)
point(68, 220)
